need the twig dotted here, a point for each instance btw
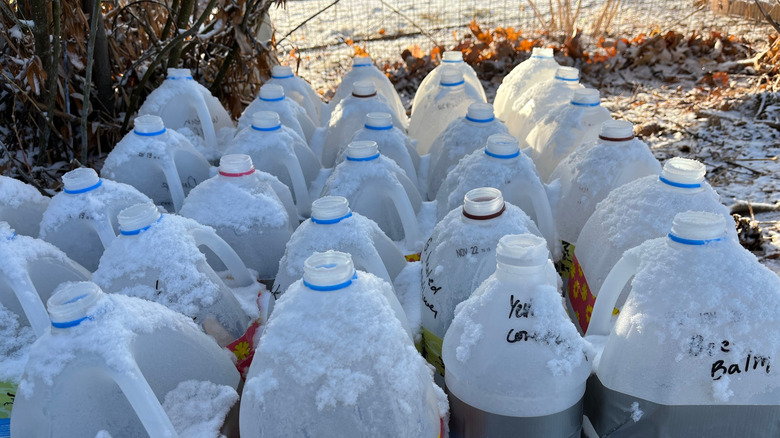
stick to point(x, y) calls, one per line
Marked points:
point(734, 163)
point(767, 17)
point(695, 11)
point(412, 22)
point(85, 109)
point(307, 20)
point(537, 14)
point(52, 77)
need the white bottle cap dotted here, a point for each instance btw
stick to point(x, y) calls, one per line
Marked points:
point(148, 126)
point(137, 218)
point(452, 56)
point(328, 271)
point(235, 165)
point(522, 250)
point(271, 92)
point(586, 97)
point(6, 232)
point(363, 89)
point(364, 150)
point(360, 61)
point(570, 74)
point(70, 304)
point(281, 72)
point(697, 227)
point(266, 121)
point(683, 173)
point(480, 113)
point(179, 73)
point(80, 180)
point(617, 131)
point(330, 210)
point(450, 77)
point(542, 52)
point(483, 203)
point(379, 121)
point(502, 146)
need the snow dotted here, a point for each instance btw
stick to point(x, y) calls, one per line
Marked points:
point(15, 340)
point(407, 289)
point(636, 413)
point(20, 250)
point(517, 82)
point(291, 114)
point(198, 409)
point(537, 102)
point(15, 193)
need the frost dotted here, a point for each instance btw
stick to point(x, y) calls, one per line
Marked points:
point(636, 413)
point(524, 76)
point(198, 409)
point(291, 114)
point(15, 341)
point(721, 391)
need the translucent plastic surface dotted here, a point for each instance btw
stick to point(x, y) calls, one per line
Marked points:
point(538, 68)
point(21, 206)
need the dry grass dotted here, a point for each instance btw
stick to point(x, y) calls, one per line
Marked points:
point(565, 13)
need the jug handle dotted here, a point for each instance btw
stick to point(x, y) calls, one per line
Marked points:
point(145, 403)
point(609, 293)
point(209, 134)
point(406, 212)
point(544, 218)
point(225, 253)
point(299, 186)
point(105, 231)
point(33, 307)
point(174, 184)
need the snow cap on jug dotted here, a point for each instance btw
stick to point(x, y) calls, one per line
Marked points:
point(617, 131)
point(6, 232)
point(480, 113)
point(502, 146)
point(541, 52)
point(70, 303)
point(328, 271)
point(137, 218)
point(452, 56)
point(271, 92)
point(364, 89)
point(586, 97)
point(378, 121)
point(148, 126)
point(281, 72)
point(330, 210)
point(451, 77)
point(522, 250)
point(683, 173)
point(365, 150)
point(80, 180)
point(233, 165)
point(569, 74)
point(266, 121)
point(483, 203)
point(179, 73)
point(697, 228)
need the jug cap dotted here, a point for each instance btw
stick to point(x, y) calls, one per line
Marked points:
point(271, 93)
point(522, 250)
point(236, 165)
point(502, 146)
point(617, 131)
point(379, 121)
point(483, 203)
point(541, 52)
point(683, 173)
point(697, 228)
point(569, 74)
point(69, 305)
point(480, 113)
point(179, 73)
point(328, 271)
point(451, 77)
point(6, 232)
point(362, 61)
point(266, 121)
point(80, 180)
point(364, 150)
point(330, 210)
point(364, 89)
point(148, 126)
point(138, 218)
point(453, 56)
point(586, 97)
point(281, 72)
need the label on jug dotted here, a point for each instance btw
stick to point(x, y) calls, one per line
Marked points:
point(243, 348)
point(7, 395)
point(579, 295)
point(431, 350)
point(413, 257)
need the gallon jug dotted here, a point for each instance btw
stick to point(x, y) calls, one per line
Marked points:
point(462, 137)
point(14, 351)
point(277, 150)
point(540, 67)
point(245, 212)
point(336, 358)
point(565, 128)
point(450, 100)
point(298, 90)
point(459, 256)
point(183, 103)
point(632, 213)
point(542, 394)
point(448, 59)
point(159, 162)
point(99, 370)
point(21, 205)
point(291, 114)
point(700, 327)
point(81, 220)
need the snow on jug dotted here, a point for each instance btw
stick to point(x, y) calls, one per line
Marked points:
point(501, 164)
point(350, 371)
point(448, 59)
point(184, 103)
point(21, 205)
point(543, 393)
point(245, 212)
point(632, 213)
point(122, 366)
point(272, 98)
point(161, 163)
point(462, 137)
point(701, 328)
point(450, 100)
point(540, 67)
point(298, 90)
point(565, 128)
point(277, 150)
point(81, 220)
point(459, 256)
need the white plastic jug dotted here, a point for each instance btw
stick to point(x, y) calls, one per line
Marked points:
point(565, 128)
point(450, 100)
point(298, 90)
point(14, 351)
point(379, 190)
point(632, 213)
point(700, 327)
point(277, 150)
point(184, 103)
point(534, 104)
point(335, 357)
point(245, 212)
point(81, 220)
point(543, 393)
point(463, 136)
point(432, 79)
point(123, 366)
point(501, 164)
point(159, 162)
point(21, 205)
point(540, 67)
point(459, 256)
point(291, 114)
